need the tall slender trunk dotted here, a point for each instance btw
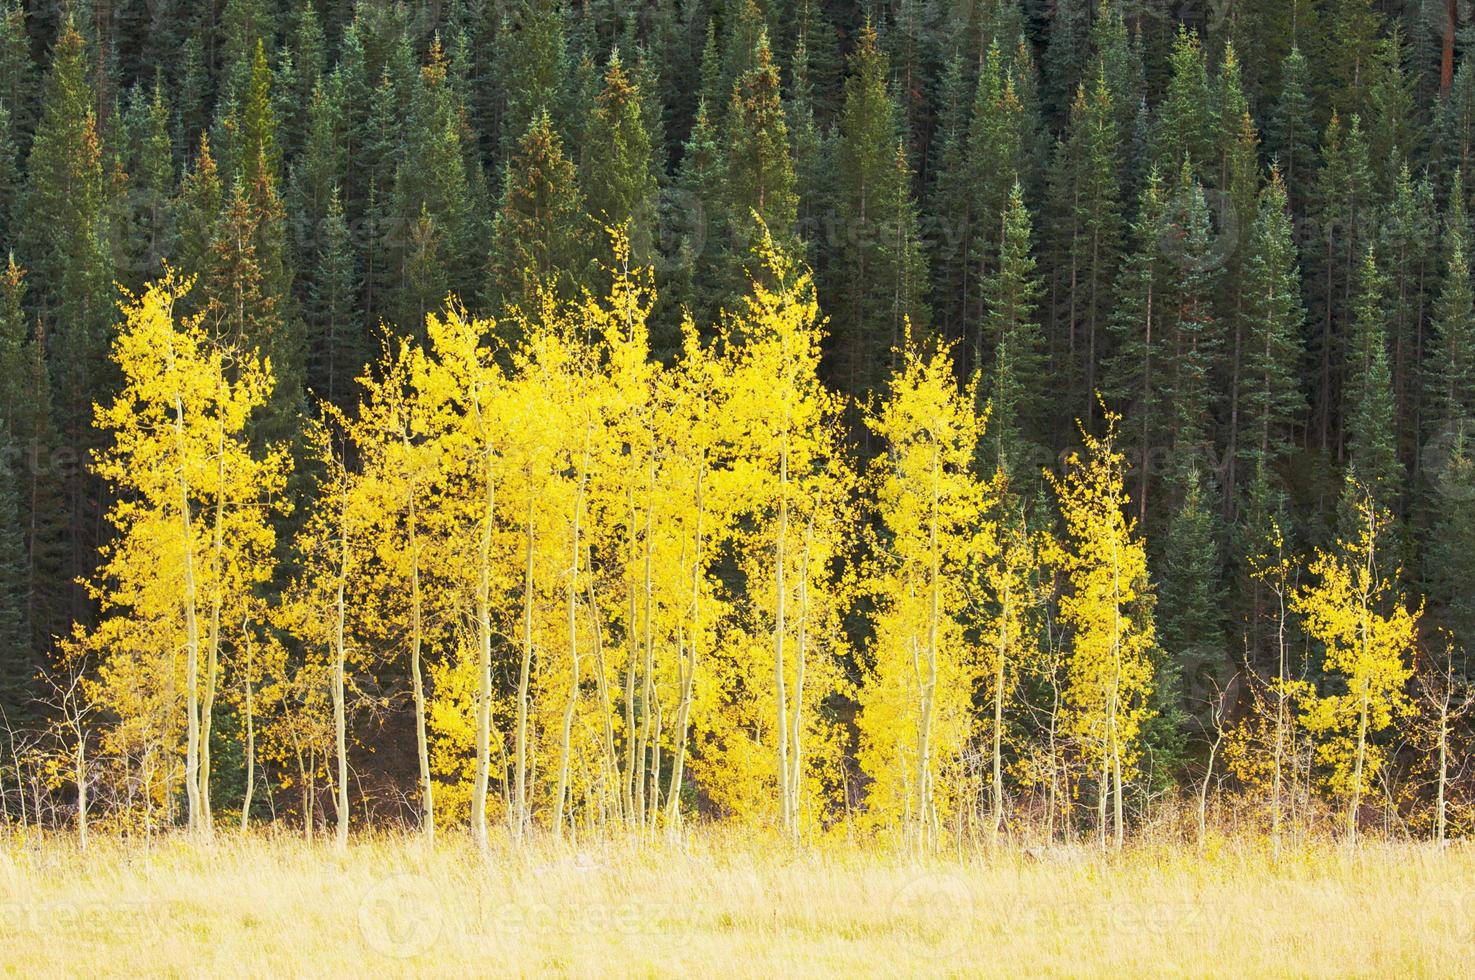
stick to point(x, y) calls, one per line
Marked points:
point(780, 559)
point(929, 683)
point(571, 706)
point(524, 682)
point(1439, 801)
point(250, 790)
point(484, 662)
point(606, 705)
point(217, 589)
point(678, 763)
point(1000, 652)
point(197, 822)
point(417, 679)
point(340, 723)
point(801, 638)
point(1280, 723)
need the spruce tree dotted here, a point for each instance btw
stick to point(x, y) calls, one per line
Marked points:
point(994, 154)
point(758, 168)
point(1017, 376)
point(618, 175)
point(64, 234)
point(873, 277)
point(1290, 133)
point(1191, 667)
point(1342, 213)
point(1272, 318)
point(1368, 407)
point(337, 344)
point(530, 65)
point(1085, 214)
point(539, 237)
point(1451, 366)
point(17, 73)
point(1188, 118)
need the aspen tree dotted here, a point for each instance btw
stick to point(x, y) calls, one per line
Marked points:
point(916, 703)
point(1275, 570)
point(785, 424)
point(1010, 581)
point(1354, 609)
point(460, 385)
point(398, 470)
point(193, 535)
point(317, 608)
point(1107, 610)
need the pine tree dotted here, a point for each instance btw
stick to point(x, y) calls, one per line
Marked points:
point(1190, 623)
point(433, 242)
point(1016, 392)
point(1342, 214)
point(758, 168)
point(17, 74)
point(10, 178)
point(619, 174)
point(1291, 131)
point(812, 148)
point(697, 215)
point(530, 63)
point(995, 162)
point(338, 346)
point(1369, 406)
point(1391, 115)
point(1086, 216)
point(1188, 119)
point(17, 666)
point(538, 238)
point(952, 222)
point(1451, 369)
point(1408, 256)
point(874, 282)
point(1272, 318)
point(63, 235)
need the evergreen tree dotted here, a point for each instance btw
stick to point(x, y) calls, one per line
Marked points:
point(64, 235)
point(1272, 318)
point(1016, 391)
point(1191, 665)
point(618, 175)
point(698, 216)
point(1086, 216)
point(1451, 367)
point(10, 178)
point(1342, 212)
point(433, 229)
point(17, 73)
point(995, 165)
point(1290, 132)
point(530, 65)
point(1372, 458)
point(1188, 119)
point(758, 168)
point(539, 239)
point(875, 284)
point(1408, 257)
point(338, 346)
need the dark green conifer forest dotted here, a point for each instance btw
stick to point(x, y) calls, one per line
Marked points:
point(1240, 228)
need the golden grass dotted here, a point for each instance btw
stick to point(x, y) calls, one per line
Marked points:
point(719, 906)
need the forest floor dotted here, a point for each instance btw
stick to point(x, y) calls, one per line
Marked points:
point(277, 906)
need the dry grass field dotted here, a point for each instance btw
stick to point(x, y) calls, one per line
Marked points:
point(264, 906)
